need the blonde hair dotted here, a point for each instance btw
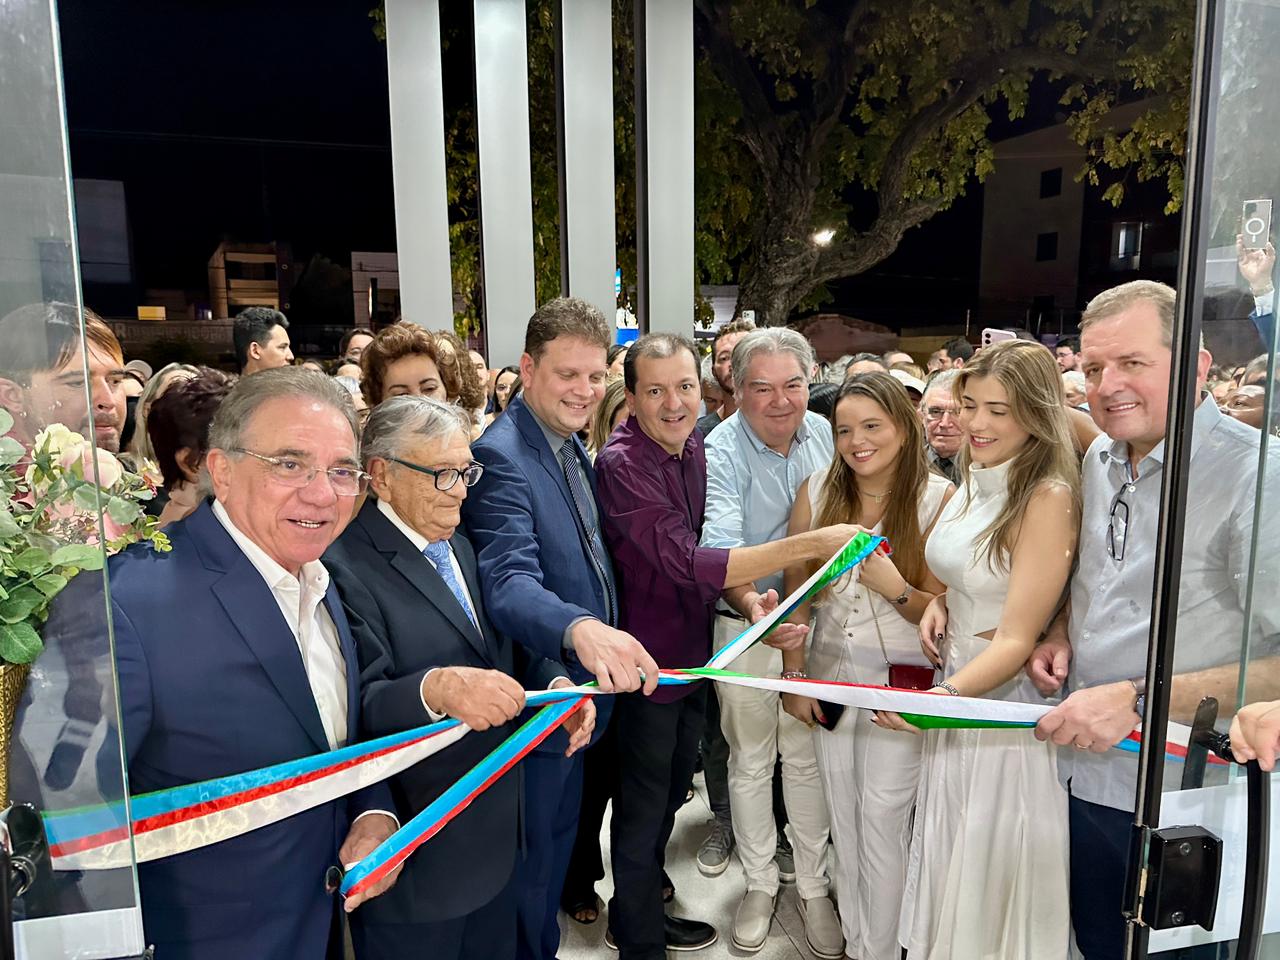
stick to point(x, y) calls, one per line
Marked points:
point(615, 394)
point(1031, 378)
point(841, 501)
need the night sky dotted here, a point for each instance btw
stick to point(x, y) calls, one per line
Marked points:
point(261, 121)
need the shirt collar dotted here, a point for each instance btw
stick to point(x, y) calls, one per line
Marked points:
point(554, 440)
point(413, 536)
point(1205, 419)
point(802, 434)
point(630, 433)
point(276, 576)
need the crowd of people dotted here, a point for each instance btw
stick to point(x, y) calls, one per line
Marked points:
point(407, 535)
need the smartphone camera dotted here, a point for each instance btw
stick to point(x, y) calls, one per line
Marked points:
point(1255, 224)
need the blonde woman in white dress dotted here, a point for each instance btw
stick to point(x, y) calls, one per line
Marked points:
point(989, 862)
point(880, 479)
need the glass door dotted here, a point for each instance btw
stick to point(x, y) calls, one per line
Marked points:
point(1215, 624)
point(59, 717)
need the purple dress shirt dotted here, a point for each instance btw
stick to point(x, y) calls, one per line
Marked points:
point(651, 507)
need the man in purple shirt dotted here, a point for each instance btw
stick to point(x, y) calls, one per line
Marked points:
point(651, 487)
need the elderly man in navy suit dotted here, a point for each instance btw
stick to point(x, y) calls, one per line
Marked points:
point(409, 584)
point(233, 654)
point(546, 575)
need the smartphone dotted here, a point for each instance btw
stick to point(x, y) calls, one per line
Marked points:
point(991, 335)
point(1255, 224)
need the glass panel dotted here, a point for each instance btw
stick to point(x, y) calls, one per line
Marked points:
point(1228, 606)
point(64, 752)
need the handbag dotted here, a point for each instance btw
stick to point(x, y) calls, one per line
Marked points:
point(903, 676)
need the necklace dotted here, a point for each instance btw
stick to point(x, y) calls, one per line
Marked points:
point(877, 497)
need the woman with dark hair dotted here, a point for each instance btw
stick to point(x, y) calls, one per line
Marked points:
point(615, 358)
point(505, 386)
point(178, 428)
point(865, 632)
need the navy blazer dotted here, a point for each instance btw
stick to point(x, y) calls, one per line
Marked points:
point(406, 621)
point(212, 683)
point(535, 565)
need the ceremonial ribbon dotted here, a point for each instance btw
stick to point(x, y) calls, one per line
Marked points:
point(185, 818)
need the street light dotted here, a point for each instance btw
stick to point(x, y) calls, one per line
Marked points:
point(823, 238)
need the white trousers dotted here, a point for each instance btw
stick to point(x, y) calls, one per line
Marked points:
point(870, 777)
point(758, 732)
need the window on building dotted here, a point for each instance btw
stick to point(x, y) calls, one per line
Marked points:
point(1046, 246)
point(1126, 245)
point(1050, 183)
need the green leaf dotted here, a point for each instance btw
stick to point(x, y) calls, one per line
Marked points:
point(86, 497)
point(6, 420)
point(21, 604)
point(122, 511)
point(8, 526)
point(11, 451)
point(50, 584)
point(32, 560)
point(80, 555)
point(19, 643)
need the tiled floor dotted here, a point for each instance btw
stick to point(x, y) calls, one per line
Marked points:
point(713, 899)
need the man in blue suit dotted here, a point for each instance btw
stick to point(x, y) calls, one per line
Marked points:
point(409, 585)
point(233, 654)
point(546, 575)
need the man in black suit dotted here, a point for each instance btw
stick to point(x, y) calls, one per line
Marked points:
point(427, 650)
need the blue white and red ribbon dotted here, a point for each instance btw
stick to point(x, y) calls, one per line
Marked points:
point(186, 818)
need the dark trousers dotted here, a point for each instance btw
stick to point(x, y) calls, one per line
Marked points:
point(657, 746)
point(552, 796)
point(488, 933)
point(715, 769)
point(586, 866)
point(1099, 859)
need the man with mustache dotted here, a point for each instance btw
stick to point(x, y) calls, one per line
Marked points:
point(42, 376)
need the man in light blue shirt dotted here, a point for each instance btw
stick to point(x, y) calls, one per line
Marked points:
point(756, 460)
point(1126, 345)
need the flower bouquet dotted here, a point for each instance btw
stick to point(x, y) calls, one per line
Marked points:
point(60, 503)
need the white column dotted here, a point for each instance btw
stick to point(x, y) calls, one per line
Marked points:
point(664, 164)
point(506, 195)
point(584, 84)
point(417, 161)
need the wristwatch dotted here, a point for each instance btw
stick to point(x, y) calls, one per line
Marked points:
point(907, 590)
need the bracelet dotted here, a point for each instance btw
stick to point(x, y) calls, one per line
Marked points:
point(794, 675)
point(949, 688)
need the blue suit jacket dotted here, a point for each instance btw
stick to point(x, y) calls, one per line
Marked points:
point(212, 683)
point(535, 565)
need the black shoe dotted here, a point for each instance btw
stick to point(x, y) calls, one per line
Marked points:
point(681, 934)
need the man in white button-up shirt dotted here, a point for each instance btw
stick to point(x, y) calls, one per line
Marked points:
point(234, 653)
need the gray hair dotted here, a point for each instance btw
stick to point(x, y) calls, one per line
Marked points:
point(766, 342)
point(1075, 378)
point(942, 380)
point(251, 392)
point(397, 421)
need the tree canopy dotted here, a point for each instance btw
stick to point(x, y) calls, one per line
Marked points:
point(861, 117)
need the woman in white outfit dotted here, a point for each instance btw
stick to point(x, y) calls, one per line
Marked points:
point(988, 875)
point(880, 479)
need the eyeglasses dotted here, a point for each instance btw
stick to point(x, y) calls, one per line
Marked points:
point(345, 481)
point(446, 477)
point(937, 413)
point(1118, 526)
